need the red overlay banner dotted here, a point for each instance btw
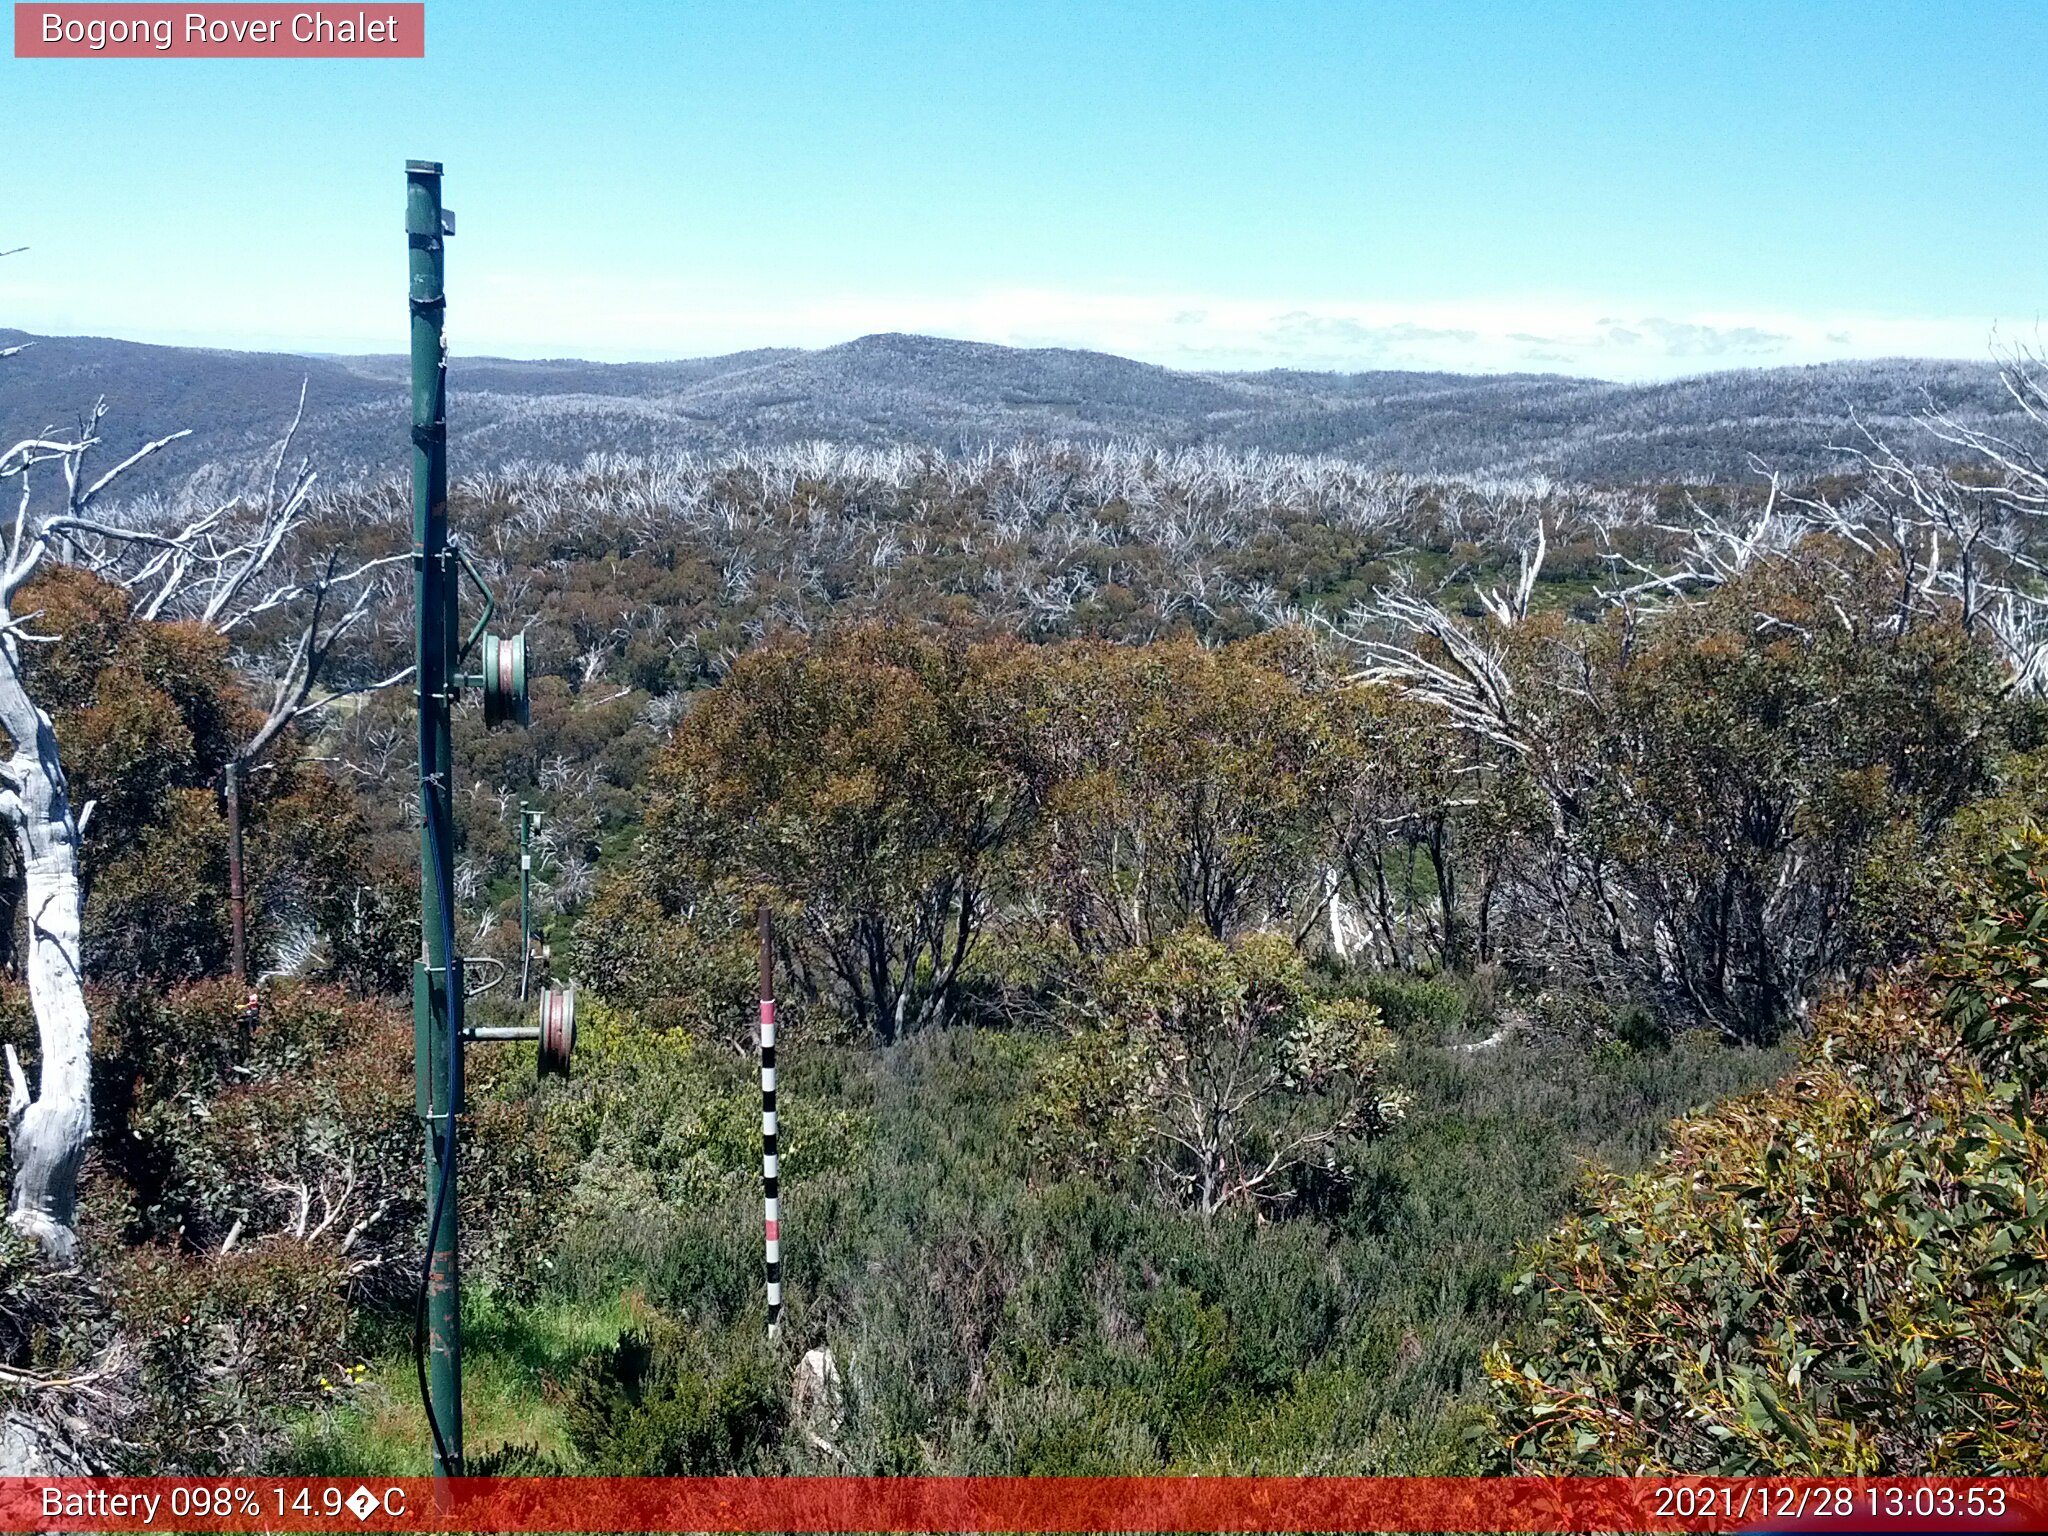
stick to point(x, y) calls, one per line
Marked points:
point(978, 1504)
point(115, 31)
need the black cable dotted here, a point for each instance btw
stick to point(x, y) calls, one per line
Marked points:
point(445, 1182)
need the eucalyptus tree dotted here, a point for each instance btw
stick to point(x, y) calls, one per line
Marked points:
point(246, 567)
point(1182, 785)
point(1720, 775)
point(855, 780)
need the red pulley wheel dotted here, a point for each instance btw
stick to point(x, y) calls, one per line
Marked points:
point(504, 680)
point(557, 1030)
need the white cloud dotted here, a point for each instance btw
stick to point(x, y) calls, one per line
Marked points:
point(616, 319)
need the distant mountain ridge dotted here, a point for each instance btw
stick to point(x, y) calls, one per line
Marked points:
point(894, 388)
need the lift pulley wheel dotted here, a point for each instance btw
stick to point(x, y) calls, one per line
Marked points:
point(557, 1030)
point(504, 680)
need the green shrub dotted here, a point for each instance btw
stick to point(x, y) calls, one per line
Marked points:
point(1847, 1273)
point(1417, 1007)
point(226, 1345)
point(308, 1134)
point(659, 1121)
point(660, 1405)
point(696, 976)
point(1219, 1070)
point(996, 1312)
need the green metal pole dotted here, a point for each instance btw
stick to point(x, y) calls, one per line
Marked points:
point(437, 980)
point(526, 819)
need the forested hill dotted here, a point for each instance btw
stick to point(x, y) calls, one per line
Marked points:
point(955, 394)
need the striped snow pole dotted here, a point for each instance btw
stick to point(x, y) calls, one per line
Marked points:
point(771, 1169)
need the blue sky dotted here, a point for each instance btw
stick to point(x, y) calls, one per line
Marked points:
point(1632, 190)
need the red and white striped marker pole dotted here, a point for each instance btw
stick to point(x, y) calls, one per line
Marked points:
point(771, 1163)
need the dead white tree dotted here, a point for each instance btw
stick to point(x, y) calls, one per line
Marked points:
point(48, 1129)
point(1512, 607)
point(1967, 536)
point(1904, 544)
point(1718, 548)
point(207, 569)
point(1410, 644)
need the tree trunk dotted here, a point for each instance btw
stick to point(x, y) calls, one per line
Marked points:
point(1453, 955)
point(238, 901)
point(48, 1131)
point(1333, 903)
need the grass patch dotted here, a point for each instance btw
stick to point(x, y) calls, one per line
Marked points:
point(514, 1361)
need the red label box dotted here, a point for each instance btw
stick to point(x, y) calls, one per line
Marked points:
point(370, 30)
point(1669, 1506)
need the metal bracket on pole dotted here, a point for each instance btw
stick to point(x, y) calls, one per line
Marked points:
point(468, 568)
point(527, 820)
